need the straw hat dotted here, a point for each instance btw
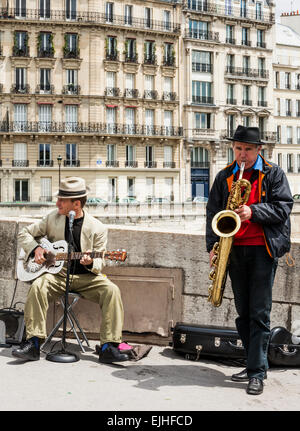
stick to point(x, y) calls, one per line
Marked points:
point(72, 187)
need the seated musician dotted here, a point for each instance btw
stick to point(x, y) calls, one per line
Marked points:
point(85, 274)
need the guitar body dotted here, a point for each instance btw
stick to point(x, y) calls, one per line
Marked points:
point(29, 270)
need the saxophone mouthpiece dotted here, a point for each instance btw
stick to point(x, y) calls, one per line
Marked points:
point(242, 167)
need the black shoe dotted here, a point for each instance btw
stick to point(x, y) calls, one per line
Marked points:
point(242, 376)
point(111, 354)
point(255, 386)
point(27, 351)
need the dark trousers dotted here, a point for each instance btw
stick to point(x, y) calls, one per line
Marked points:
point(252, 273)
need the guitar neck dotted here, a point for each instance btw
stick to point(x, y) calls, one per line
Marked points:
point(77, 255)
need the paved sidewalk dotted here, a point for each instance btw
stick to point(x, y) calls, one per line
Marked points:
point(163, 381)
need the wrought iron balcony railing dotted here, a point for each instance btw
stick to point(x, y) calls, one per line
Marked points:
point(46, 52)
point(71, 53)
point(169, 95)
point(131, 93)
point(169, 61)
point(131, 58)
point(112, 163)
point(20, 51)
point(44, 163)
point(150, 94)
point(20, 163)
point(89, 17)
point(131, 164)
point(44, 89)
point(72, 163)
point(230, 101)
point(211, 8)
point(202, 35)
point(199, 164)
point(71, 89)
point(169, 164)
point(89, 128)
point(112, 56)
point(230, 40)
point(20, 88)
point(112, 91)
point(201, 67)
point(203, 99)
point(262, 103)
point(150, 164)
point(247, 102)
point(247, 71)
point(150, 59)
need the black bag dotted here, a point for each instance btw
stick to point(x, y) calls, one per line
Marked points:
point(282, 352)
point(202, 340)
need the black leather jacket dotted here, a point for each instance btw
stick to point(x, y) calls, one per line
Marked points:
point(272, 211)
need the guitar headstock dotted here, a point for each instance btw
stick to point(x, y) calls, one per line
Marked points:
point(119, 255)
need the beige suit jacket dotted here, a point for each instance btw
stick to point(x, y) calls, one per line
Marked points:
point(52, 226)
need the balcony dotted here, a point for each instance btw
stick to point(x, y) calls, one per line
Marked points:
point(149, 164)
point(71, 53)
point(44, 89)
point(169, 61)
point(112, 56)
point(268, 136)
point(247, 72)
point(20, 163)
point(202, 165)
point(112, 92)
point(46, 52)
point(246, 42)
point(230, 41)
point(201, 67)
point(263, 103)
point(20, 89)
point(131, 164)
point(150, 59)
point(261, 44)
point(150, 94)
point(45, 163)
point(71, 89)
point(89, 128)
point(228, 11)
point(169, 164)
point(71, 163)
point(112, 163)
point(247, 102)
point(210, 36)
point(169, 96)
point(207, 100)
point(20, 51)
point(131, 58)
point(230, 101)
point(288, 113)
point(131, 93)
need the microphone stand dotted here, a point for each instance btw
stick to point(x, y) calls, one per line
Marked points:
point(62, 355)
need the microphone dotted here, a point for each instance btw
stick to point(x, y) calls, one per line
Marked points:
point(71, 219)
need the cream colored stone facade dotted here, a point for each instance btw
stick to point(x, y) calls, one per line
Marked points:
point(286, 66)
point(228, 47)
point(96, 83)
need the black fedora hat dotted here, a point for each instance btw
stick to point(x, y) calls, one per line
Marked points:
point(249, 135)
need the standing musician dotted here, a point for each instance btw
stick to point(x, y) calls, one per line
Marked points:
point(86, 278)
point(263, 237)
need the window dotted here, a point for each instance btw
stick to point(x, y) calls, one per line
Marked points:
point(201, 61)
point(230, 94)
point(230, 125)
point(202, 120)
point(230, 63)
point(262, 67)
point(276, 79)
point(290, 162)
point(278, 133)
point(149, 53)
point(168, 123)
point(199, 157)
point(246, 95)
point(130, 121)
point(20, 155)
point(149, 121)
point(149, 156)
point(45, 45)
point(298, 162)
point(230, 155)
point(287, 80)
point(111, 156)
point(45, 118)
point(261, 39)
point(21, 44)
point(169, 57)
point(129, 84)
point(149, 87)
point(246, 121)
point(45, 81)
point(72, 81)
point(44, 155)
point(259, 12)
point(71, 118)
point(44, 9)
point(230, 34)
point(70, 9)
point(168, 157)
point(71, 45)
point(279, 159)
point(298, 137)
point(109, 12)
point(148, 17)
point(243, 8)
point(298, 108)
point(198, 29)
point(111, 120)
point(150, 184)
point(21, 188)
point(167, 19)
point(71, 155)
point(130, 154)
point(168, 189)
point(128, 15)
point(288, 107)
point(46, 189)
point(111, 89)
point(228, 7)
point(289, 135)
point(131, 187)
point(262, 96)
point(246, 65)
point(201, 92)
point(245, 36)
point(20, 79)
point(20, 10)
point(20, 117)
point(112, 189)
point(111, 48)
point(130, 50)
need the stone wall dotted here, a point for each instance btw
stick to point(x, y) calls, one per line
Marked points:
point(149, 248)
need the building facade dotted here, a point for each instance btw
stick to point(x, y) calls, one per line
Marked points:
point(95, 84)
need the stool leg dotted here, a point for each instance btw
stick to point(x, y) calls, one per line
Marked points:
point(79, 327)
point(75, 332)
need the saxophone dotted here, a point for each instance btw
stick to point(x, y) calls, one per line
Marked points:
point(226, 224)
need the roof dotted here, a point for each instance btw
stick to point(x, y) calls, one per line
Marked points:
point(286, 36)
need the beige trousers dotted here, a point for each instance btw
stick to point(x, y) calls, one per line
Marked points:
point(96, 288)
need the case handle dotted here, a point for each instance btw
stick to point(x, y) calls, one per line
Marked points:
point(286, 352)
point(235, 346)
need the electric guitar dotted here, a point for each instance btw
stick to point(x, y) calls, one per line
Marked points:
point(56, 255)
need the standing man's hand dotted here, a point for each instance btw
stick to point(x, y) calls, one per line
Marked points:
point(244, 212)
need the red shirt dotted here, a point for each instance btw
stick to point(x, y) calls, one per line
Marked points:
point(250, 233)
